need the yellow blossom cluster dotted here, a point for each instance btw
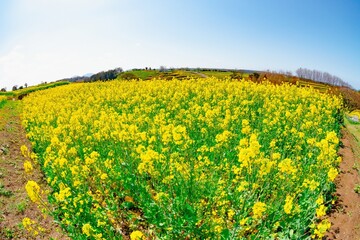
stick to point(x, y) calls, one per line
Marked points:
point(193, 159)
point(33, 191)
point(32, 227)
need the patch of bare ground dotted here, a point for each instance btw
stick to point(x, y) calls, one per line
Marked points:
point(14, 202)
point(345, 215)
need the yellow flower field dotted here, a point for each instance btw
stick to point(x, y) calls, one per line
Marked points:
point(192, 159)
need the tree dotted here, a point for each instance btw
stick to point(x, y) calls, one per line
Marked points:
point(3, 90)
point(162, 69)
point(237, 75)
point(105, 76)
point(128, 76)
point(118, 70)
point(14, 88)
point(323, 77)
point(26, 85)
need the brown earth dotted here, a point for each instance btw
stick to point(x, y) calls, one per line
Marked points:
point(14, 202)
point(345, 215)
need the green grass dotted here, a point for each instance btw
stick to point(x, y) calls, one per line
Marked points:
point(2, 103)
point(25, 91)
point(4, 192)
point(10, 109)
point(316, 85)
point(150, 74)
point(216, 74)
point(145, 74)
point(21, 207)
point(353, 127)
point(8, 94)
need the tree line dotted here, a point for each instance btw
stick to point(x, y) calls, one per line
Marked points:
point(322, 77)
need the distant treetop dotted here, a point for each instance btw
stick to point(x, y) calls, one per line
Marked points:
point(322, 77)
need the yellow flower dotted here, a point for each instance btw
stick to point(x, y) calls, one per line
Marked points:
point(332, 173)
point(179, 134)
point(98, 236)
point(137, 235)
point(320, 200)
point(242, 186)
point(86, 229)
point(231, 214)
point(76, 183)
point(313, 185)
point(246, 129)
point(161, 196)
point(258, 209)
point(33, 191)
point(288, 204)
point(27, 222)
point(276, 156)
point(286, 166)
point(321, 229)
point(243, 221)
point(321, 211)
point(28, 166)
point(24, 150)
point(63, 193)
point(223, 137)
point(104, 176)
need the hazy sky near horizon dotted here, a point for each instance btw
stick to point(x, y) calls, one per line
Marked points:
point(46, 40)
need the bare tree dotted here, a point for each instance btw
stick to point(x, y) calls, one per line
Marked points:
point(162, 69)
point(118, 70)
point(323, 77)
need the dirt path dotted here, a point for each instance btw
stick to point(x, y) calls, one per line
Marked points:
point(14, 203)
point(200, 74)
point(345, 217)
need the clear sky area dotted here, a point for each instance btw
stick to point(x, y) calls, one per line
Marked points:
point(47, 40)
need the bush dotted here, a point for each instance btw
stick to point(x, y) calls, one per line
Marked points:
point(128, 76)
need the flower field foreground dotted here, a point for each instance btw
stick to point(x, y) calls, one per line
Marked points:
point(199, 158)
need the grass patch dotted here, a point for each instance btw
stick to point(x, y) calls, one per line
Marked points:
point(3, 100)
point(8, 233)
point(217, 74)
point(21, 207)
point(145, 74)
point(353, 127)
point(8, 94)
point(4, 192)
point(357, 188)
point(20, 93)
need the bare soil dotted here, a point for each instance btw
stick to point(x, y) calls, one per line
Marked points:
point(14, 202)
point(345, 215)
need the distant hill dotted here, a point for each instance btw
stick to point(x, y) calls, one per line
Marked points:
point(350, 96)
point(88, 74)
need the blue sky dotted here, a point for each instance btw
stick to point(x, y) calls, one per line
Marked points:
point(43, 40)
